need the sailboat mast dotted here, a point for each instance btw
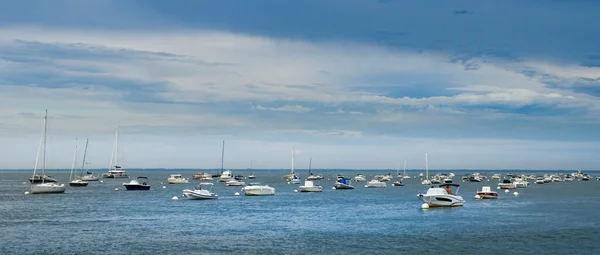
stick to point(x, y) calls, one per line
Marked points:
point(117, 145)
point(74, 160)
point(222, 155)
point(404, 174)
point(45, 129)
point(84, 154)
point(37, 155)
point(292, 160)
point(398, 169)
point(426, 167)
point(309, 165)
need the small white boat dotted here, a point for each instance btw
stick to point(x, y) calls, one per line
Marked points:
point(47, 188)
point(440, 197)
point(203, 176)
point(226, 176)
point(496, 177)
point(309, 186)
point(77, 182)
point(507, 184)
point(487, 193)
point(177, 179)
point(397, 183)
point(375, 184)
point(520, 183)
point(137, 185)
point(257, 189)
point(539, 180)
point(295, 179)
point(342, 184)
point(360, 178)
point(235, 182)
point(202, 192)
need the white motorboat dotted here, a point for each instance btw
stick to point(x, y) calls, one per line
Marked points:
point(441, 197)
point(387, 177)
point(203, 176)
point(137, 185)
point(342, 184)
point(202, 192)
point(520, 183)
point(507, 184)
point(539, 180)
point(44, 187)
point(496, 177)
point(257, 189)
point(309, 186)
point(177, 179)
point(295, 179)
point(486, 192)
point(226, 176)
point(235, 182)
point(375, 184)
point(397, 184)
point(360, 178)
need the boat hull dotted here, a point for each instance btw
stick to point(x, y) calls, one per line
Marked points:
point(89, 178)
point(136, 187)
point(199, 195)
point(311, 189)
point(442, 200)
point(177, 181)
point(48, 188)
point(38, 179)
point(78, 183)
point(487, 195)
point(343, 186)
point(259, 191)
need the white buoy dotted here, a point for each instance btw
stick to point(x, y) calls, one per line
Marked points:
point(26, 193)
point(175, 198)
point(236, 194)
point(506, 191)
point(497, 187)
point(516, 193)
point(24, 182)
point(366, 186)
point(288, 182)
point(295, 190)
point(116, 189)
point(333, 188)
point(101, 180)
point(477, 197)
point(424, 206)
point(164, 187)
point(161, 183)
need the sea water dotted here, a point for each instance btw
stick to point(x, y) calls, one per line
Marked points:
point(553, 218)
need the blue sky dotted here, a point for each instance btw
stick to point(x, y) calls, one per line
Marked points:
point(352, 84)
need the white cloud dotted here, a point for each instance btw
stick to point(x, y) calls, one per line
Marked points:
point(285, 108)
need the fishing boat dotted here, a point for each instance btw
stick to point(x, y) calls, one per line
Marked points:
point(202, 192)
point(177, 179)
point(310, 186)
point(507, 184)
point(77, 182)
point(114, 170)
point(44, 187)
point(440, 197)
point(342, 184)
point(487, 193)
point(137, 185)
point(257, 189)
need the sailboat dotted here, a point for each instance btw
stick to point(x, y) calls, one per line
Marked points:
point(291, 174)
point(404, 173)
point(44, 187)
point(251, 176)
point(399, 182)
point(89, 176)
point(77, 182)
point(226, 175)
point(115, 171)
point(311, 176)
point(426, 181)
point(294, 178)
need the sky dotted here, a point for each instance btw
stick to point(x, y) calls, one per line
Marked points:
point(351, 84)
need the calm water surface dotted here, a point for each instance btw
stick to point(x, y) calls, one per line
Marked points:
point(555, 218)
